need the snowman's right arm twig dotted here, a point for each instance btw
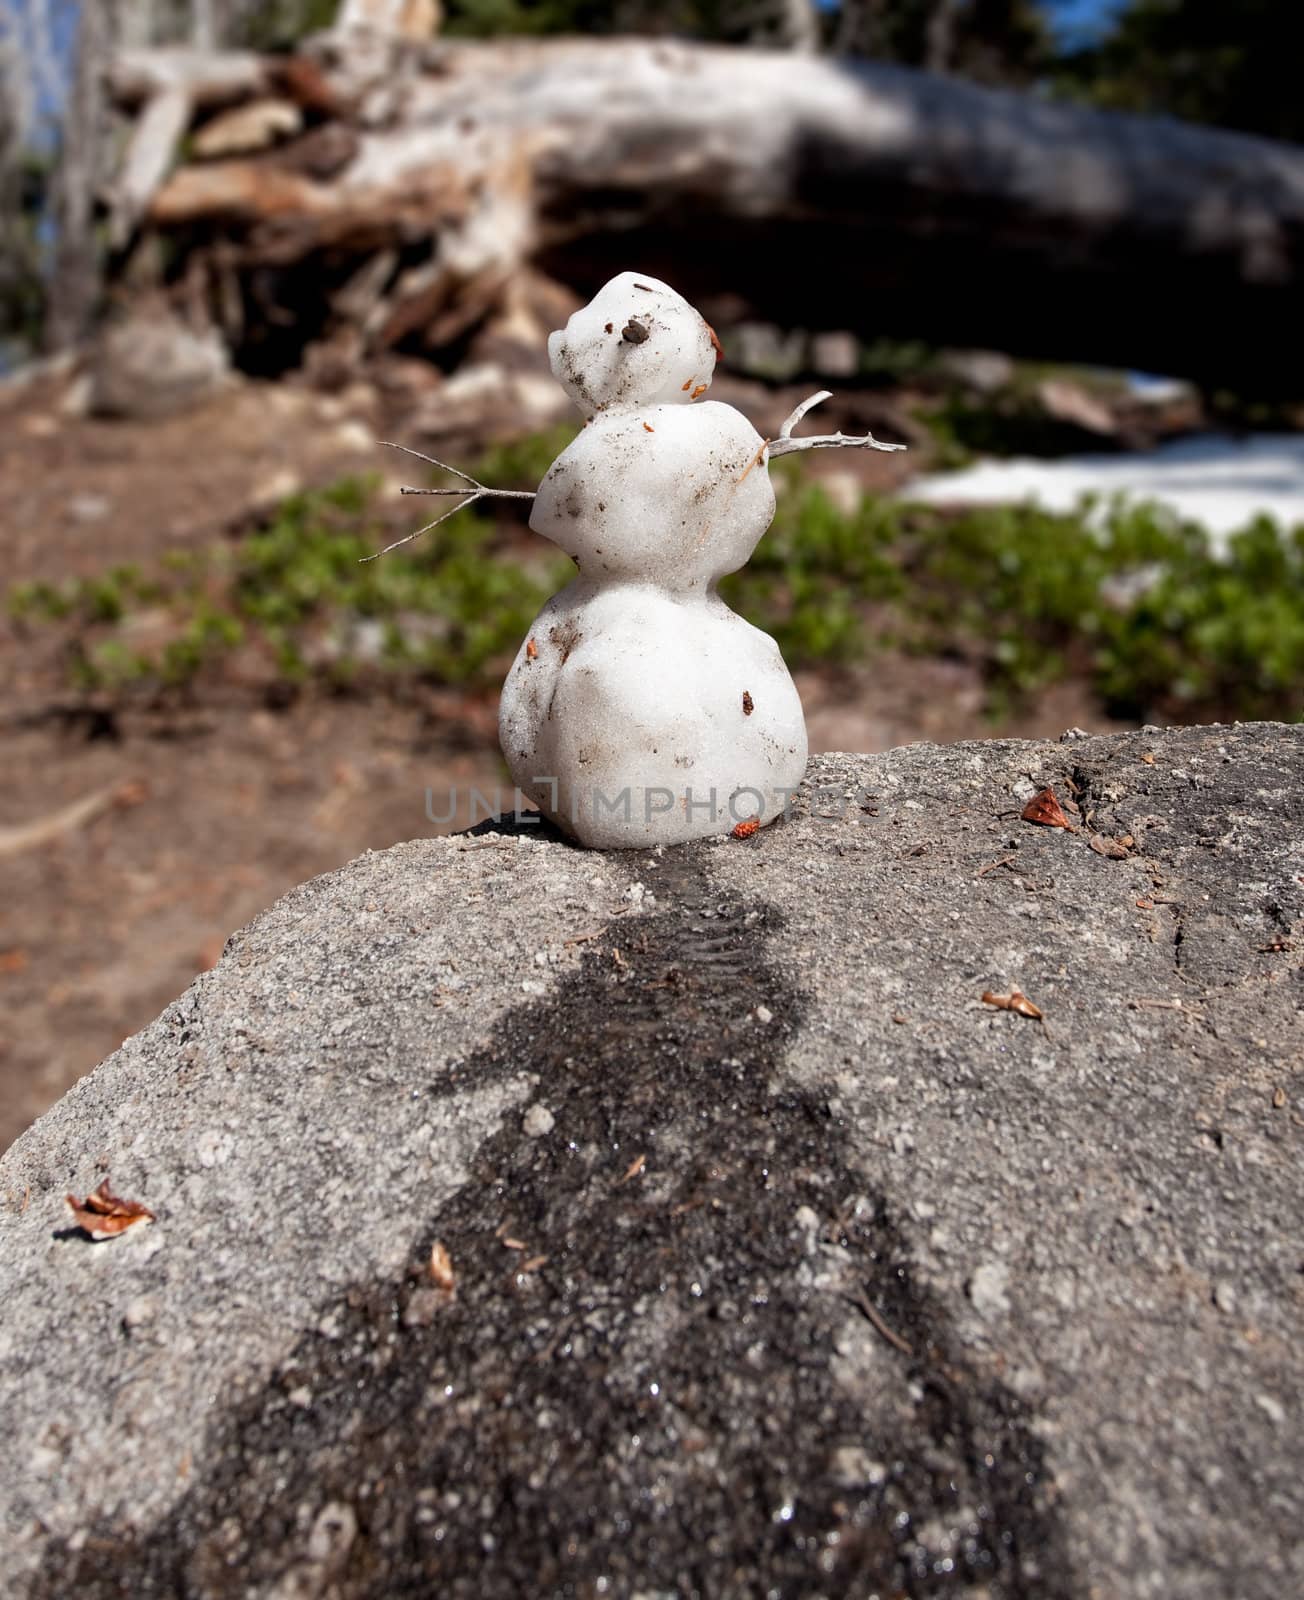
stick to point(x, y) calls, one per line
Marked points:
point(785, 443)
point(477, 491)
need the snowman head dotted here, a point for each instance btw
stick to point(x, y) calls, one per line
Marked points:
point(636, 343)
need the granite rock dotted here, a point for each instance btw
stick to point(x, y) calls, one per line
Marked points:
point(735, 1246)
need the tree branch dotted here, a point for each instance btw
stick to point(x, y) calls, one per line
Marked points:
point(785, 444)
point(476, 491)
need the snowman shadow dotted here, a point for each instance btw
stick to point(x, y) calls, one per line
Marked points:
point(520, 825)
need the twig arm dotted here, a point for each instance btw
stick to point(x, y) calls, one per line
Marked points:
point(802, 409)
point(431, 462)
point(830, 441)
point(785, 444)
point(475, 491)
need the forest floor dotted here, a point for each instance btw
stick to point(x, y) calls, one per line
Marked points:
point(211, 805)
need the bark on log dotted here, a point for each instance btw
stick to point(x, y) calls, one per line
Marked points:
point(839, 193)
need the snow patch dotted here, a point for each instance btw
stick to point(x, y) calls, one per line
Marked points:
point(1216, 480)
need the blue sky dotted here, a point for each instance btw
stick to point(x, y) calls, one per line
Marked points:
point(1077, 19)
point(1074, 20)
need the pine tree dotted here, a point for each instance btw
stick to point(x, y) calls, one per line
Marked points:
point(1203, 60)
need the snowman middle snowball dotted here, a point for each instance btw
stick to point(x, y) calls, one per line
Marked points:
point(640, 709)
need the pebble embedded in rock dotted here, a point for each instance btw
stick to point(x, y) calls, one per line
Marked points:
point(537, 1122)
point(333, 1532)
point(1272, 1409)
point(854, 1468)
point(141, 1311)
point(987, 1289)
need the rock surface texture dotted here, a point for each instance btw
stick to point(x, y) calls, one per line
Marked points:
point(773, 1260)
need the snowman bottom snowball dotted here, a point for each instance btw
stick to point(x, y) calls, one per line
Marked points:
point(635, 715)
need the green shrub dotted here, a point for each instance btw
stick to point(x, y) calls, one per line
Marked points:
point(812, 574)
point(454, 605)
point(1126, 598)
point(1132, 600)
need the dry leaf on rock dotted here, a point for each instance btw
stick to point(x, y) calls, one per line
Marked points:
point(1115, 849)
point(104, 1215)
point(441, 1267)
point(1016, 1000)
point(1044, 808)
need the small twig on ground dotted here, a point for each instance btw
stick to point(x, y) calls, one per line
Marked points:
point(31, 835)
point(1005, 861)
point(862, 1303)
point(477, 491)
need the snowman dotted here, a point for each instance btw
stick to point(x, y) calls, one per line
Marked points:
point(640, 710)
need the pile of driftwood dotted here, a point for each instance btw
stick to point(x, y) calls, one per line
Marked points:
point(383, 190)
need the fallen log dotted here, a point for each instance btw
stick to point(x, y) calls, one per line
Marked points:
point(898, 202)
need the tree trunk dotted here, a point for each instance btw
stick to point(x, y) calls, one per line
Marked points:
point(891, 201)
point(799, 26)
point(84, 162)
point(940, 36)
point(862, 28)
point(835, 194)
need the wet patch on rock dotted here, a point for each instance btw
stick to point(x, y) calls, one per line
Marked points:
point(682, 1350)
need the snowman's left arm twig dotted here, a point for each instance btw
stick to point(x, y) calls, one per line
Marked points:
point(785, 443)
point(477, 491)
